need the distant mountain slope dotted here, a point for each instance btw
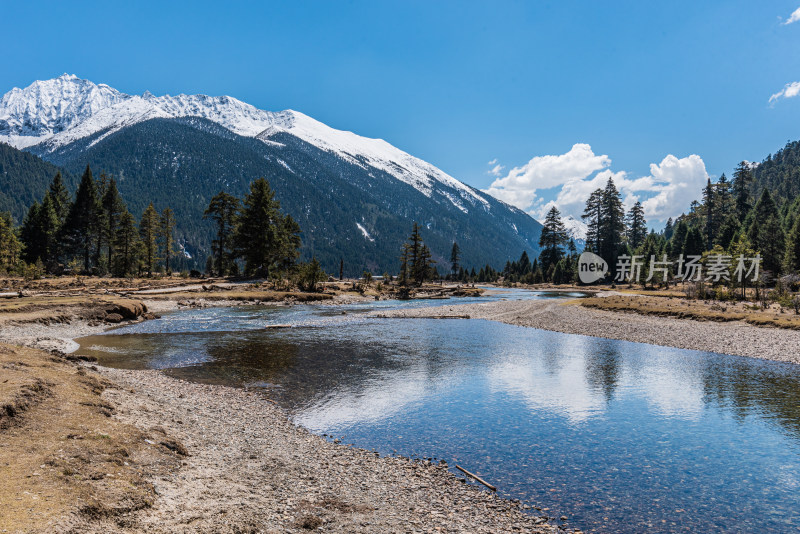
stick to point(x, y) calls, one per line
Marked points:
point(345, 210)
point(24, 179)
point(780, 173)
point(354, 197)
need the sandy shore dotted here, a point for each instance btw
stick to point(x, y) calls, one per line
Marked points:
point(737, 338)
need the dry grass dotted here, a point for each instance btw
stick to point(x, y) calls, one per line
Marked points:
point(671, 306)
point(64, 460)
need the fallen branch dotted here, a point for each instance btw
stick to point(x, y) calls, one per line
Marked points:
point(476, 477)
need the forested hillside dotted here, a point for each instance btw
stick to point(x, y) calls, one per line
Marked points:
point(345, 211)
point(24, 179)
point(780, 173)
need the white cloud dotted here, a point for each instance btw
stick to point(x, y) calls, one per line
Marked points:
point(677, 182)
point(496, 170)
point(543, 172)
point(666, 192)
point(789, 90)
point(494, 161)
point(794, 17)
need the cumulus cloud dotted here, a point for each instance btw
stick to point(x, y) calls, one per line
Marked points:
point(544, 172)
point(677, 182)
point(794, 17)
point(789, 90)
point(666, 192)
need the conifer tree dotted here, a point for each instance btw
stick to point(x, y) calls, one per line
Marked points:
point(112, 209)
point(766, 233)
point(455, 258)
point(552, 239)
point(148, 234)
point(709, 204)
point(60, 197)
point(675, 246)
point(166, 228)
point(223, 209)
point(792, 260)
point(694, 244)
point(78, 230)
point(593, 217)
point(10, 245)
point(742, 178)
point(39, 233)
point(637, 226)
point(126, 244)
point(264, 236)
point(612, 224)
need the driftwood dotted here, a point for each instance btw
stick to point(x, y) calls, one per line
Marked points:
point(277, 326)
point(11, 295)
point(476, 477)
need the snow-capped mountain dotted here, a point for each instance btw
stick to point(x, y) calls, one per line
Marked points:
point(575, 228)
point(54, 113)
point(354, 197)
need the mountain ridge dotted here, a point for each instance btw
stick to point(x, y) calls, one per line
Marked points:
point(352, 195)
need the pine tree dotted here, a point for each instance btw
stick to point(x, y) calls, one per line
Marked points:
point(709, 205)
point(742, 178)
point(552, 239)
point(112, 209)
point(289, 243)
point(126, 245)
point(612, 224)
point(10, 245)
point(637, 226)
point(766, 233)
point(341, 268)
point(792, 260)
point(148, 234)
point(264, 236)
point(727, 230)
point(80, 224)
point(669, 228)
point(593, 217)
point(405, 257)
point(694, 244)
point(39, 233)
point(60, 197)
point(455, 258)
point(223, 209)
point(166, 229)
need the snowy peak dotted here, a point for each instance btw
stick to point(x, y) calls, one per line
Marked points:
point(575, 228)
point(51, 106)
point(54, 113)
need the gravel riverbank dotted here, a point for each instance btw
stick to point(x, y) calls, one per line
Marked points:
point(250, 469)
point(737, 338)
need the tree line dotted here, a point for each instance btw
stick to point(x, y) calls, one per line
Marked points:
point(255, 238)
point(91, 233)
point(95, 233)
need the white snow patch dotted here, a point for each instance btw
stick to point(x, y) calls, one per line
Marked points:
point(364, 231)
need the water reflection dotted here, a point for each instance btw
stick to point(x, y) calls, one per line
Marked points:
point(620, 436)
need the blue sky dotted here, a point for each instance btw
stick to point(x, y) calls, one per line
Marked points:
point(556, 89)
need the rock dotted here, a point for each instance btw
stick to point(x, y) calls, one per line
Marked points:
point(113, 318)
